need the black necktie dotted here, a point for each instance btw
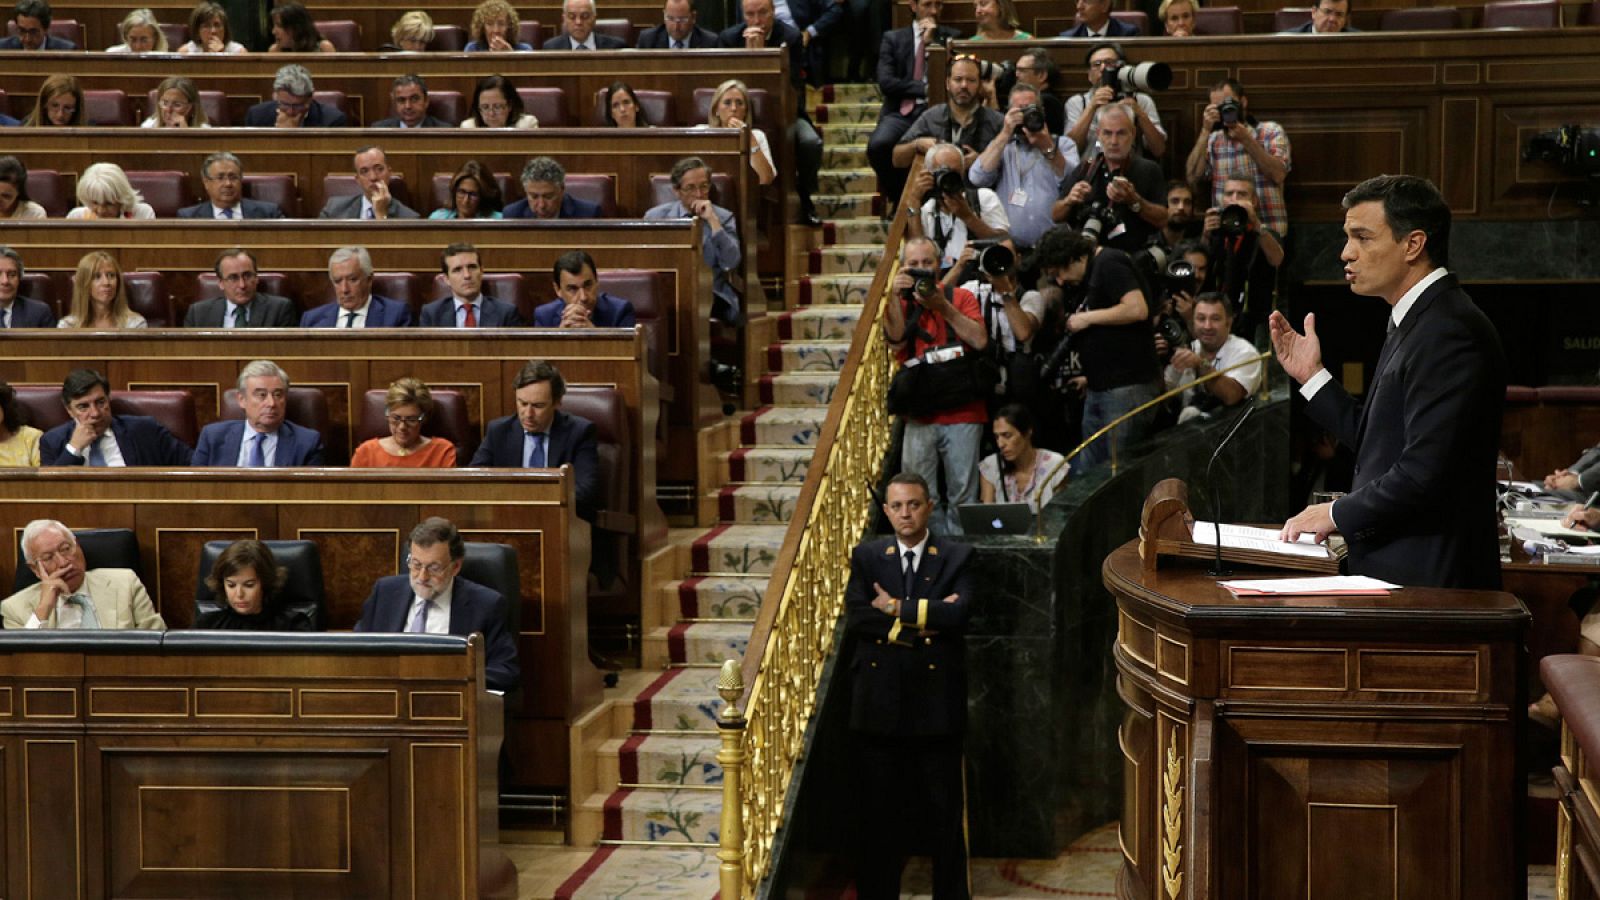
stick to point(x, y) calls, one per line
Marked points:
point(1392, 327)
point(349, 320)
point(910, 575)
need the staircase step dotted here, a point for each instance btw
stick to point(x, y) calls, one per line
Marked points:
point(846, 113)
point(870, 230)
point(737, 550)
point(718, 596)
point(758, 504)
point(847, 133)
point(836, 322)
point(828, 290)
point(807, 356)
point(783, 426)
point(799, 389)
point(844, 259)
point(666, 759)
point(679, 700)
point(845, 156)
point(848, 206)
point(697, 643)
point(663, 816)
point(847, 181)
point(683, 873)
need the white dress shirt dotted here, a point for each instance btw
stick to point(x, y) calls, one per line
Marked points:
point(342, 320)
point(108, 449)
point(438, 621)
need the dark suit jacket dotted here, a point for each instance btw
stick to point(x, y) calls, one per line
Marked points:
point(349, 207)
point(656, 38)
point(895, 65)
point(609, 312)
point(571, 208)
point(266, 311)
point(29, 313)
point(142, 440)
point(908, 683)
point(783, 35)
point(321, 115)
point(1307, 28)
point(381, 313)
point(572, 440)
point(51, 42)
point(249, 209)
point(601, 42)
point(1421, 510)
point(474, 609)
point(219, 445)
point(427, 122)
point(1115, 28)
point(492, 313)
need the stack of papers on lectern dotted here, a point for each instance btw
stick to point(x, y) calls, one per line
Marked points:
point(1264, 540)
point(1332, 585)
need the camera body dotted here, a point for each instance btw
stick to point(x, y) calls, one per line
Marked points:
point(1230, 112)
point(1096, 218)
point(1033, 118)
point(923, 282)
point(949, 181)
point(994, 259)
point(1234, 221)
point(1179, 278)
point(1171, 328)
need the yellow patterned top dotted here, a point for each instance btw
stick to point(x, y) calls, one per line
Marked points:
point(22, 448)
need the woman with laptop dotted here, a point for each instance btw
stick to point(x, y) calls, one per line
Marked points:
point(1020, 472)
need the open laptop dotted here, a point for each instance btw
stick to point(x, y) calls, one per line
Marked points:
point(996, 518)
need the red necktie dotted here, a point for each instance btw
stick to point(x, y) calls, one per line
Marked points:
point(910, 103)
point(472, 315)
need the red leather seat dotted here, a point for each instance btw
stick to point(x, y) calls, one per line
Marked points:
point(1290, 19)
point(659, 107)
point(177, 35)
point(651, 294)
point(1135, 18)
point(148, 296)
point(50, 189)
point(39, 286)
point(531, 33)
point(1425, 18)
point(409, 288)
point(450, 106)
point(215, 104)
point(308, 407)
point(448, 39)
point(107, 107)
point(166, 191)
point(621, 29)
point(1522, 14)
point(206, 285)
point(274, 187)
point(601, 189)
point(67, 29)
point(721, 190)
point(343, 34)
point(173, 409)
point(339, 101)
point(1218, 20)
point(617, 523)
point(41, 405)
point(547, 104)
point(345, 186)
point(449, 420)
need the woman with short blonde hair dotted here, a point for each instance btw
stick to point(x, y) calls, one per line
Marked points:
point(99, 297)
point(494, 27)
point(140, 33)
point(412, 32)
point(1177, 17)
point(730, 108)
point(177, 106)
point(104, 192)
point(407, 407)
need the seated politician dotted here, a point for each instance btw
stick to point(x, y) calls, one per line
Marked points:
point(292, 105)
point(374, 201)
point(71, 595)
point(241, 304)
point(31, 20)
point(95, 437)
point(494, 29)
point(579, 301)
point(544, 188)
point(222, 175)
point(265, 438)
point(541, 436)
point(354, 304)
point(408, 94)
point(17, 311)
point(99, 296)
point(407, 407)
point(691, 181)
point(248, 580)
point(467, 306)
point(474, 194)
point(19, 441)
point(435, 599)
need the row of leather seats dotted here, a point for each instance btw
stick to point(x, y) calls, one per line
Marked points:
point(1214, 20)
point(169, 190)
point(345, 35)
point(114, 107)
point(492, 565)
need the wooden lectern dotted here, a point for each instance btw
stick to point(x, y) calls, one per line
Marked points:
point(1316, 747)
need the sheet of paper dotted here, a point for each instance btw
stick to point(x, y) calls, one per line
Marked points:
point(1547, 527)
point(1590, 550)
point(1244, 537)
point(1330, 584)
point(1528, 487)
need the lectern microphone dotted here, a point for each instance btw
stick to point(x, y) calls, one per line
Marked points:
point(1217, 569)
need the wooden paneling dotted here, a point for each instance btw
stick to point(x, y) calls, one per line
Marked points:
point(1456, 107)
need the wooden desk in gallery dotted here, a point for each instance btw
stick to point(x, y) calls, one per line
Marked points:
point(1455, 106)
point(1323, 747)
point(223, 764)
point(359, 519)
point(301, 249)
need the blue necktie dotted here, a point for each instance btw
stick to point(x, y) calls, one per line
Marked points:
point(419, 622)
point(258, 452)
point(227, 213)
point(5, 318)
point(82, 601)
point(536, 454)
point(96, 458)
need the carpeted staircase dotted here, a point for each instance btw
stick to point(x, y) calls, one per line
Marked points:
point(656, 812)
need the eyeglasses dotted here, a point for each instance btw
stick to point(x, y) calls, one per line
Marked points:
point(701, 188)
point(238, 277)
point(174, 105)
point(45, 559)
point(405, 420)
point(466, 194)
point(300, 107)
point(433, 570)
point(494, 109)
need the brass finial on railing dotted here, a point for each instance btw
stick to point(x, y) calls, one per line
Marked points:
point(730, 723)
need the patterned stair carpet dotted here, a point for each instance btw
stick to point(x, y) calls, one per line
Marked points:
point(667, 785)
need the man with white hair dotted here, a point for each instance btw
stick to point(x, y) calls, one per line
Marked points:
point(577, 23)
point(291, 105)
point(71, 595)
point(354, 304)
point(265, 438)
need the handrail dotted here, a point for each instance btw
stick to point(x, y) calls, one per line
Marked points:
point(800, 611)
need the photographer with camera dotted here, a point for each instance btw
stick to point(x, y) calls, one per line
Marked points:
point(962, 120)
point(1106, 62)
point(1024, 164)
point(1247, 255)
point(1108, 329)
point(1119, 196)
point(952, 212)
point(1214, 347)
point(903, 81)
point(937, 333)
point(1232, 143)
point(1035, 67)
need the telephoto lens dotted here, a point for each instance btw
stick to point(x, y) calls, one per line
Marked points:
point(1235, 220)
point(949, 181)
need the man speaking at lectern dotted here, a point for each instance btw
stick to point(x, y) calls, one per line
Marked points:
point(1421, 510)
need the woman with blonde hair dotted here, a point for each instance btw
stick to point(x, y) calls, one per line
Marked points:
point(1177, 17)
point(407, 407)
point(177, 106)
point(60, 104)
point(494, 28)
point(208, 31)
point(730, 108)
point(998, 21)
point(412, 32)
point(99, 298)
point(105, 193)
point(140, 33)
